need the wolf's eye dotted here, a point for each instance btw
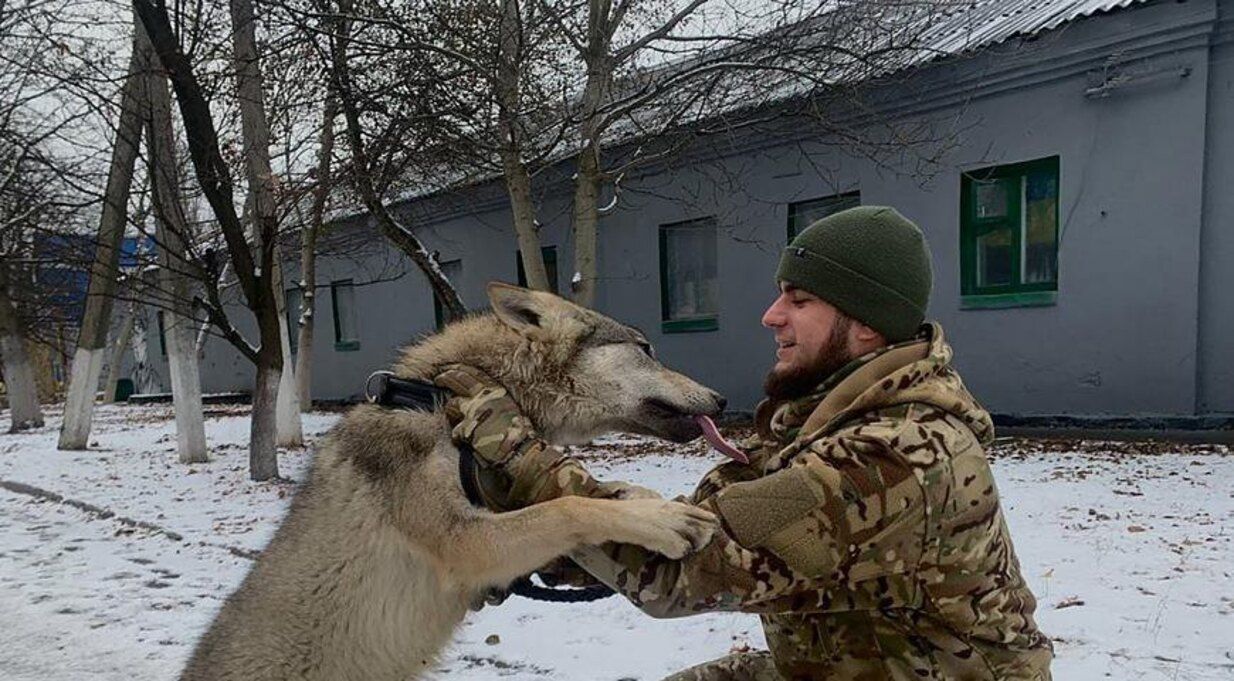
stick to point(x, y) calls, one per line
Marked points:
point(647, 350)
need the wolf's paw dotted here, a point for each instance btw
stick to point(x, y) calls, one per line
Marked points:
point(669, 527)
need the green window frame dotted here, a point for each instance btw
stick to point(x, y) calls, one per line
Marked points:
point(1009, 226)
point(549, 253)
point(343, 302)
point(453, 269)
point(162, 334)
point(802, 214)
point(689, 281)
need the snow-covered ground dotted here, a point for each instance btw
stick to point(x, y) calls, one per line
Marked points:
point(1129, 547)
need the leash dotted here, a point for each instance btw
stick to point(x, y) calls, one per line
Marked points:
point(385, 389)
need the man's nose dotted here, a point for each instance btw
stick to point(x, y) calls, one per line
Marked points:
point(774, 316)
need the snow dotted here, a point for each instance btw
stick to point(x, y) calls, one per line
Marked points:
point(1128, 548)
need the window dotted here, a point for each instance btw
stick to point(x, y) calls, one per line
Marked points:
point(1009, 235)
point(293, 300)
point(549, 253)
point(162, 334)
point(688, 282)
point(343, 297)
point(804, 213)
point(453, 269)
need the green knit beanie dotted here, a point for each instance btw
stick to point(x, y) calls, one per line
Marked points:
point(870, 262)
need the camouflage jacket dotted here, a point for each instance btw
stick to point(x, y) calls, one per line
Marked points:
point(866, 531)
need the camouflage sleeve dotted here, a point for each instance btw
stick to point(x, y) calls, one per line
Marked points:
point(486, 419)
point(792, 534)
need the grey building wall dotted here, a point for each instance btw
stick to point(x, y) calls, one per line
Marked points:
point(1215, 391)
point(1144, 308)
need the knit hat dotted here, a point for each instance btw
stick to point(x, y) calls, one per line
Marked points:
point(870, 262)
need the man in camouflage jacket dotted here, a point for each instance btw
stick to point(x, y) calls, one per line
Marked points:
point(866, 529)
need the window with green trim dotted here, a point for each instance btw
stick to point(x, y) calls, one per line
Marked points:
point(802, 214)
point(293, 298)
point(343, 300)
point(1009, 235)
point(453, 269)
point(689, 287)
point(549, 253)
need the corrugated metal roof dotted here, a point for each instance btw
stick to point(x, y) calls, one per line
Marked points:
point(987, 22)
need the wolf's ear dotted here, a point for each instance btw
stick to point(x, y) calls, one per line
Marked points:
point(524, 310)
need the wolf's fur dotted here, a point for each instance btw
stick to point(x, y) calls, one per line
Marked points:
point(381, 554)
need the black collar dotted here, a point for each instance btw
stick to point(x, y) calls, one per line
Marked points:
point(387, 390)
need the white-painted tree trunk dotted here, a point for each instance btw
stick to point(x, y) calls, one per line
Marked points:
point(185, 389)
point(290, 432)
point(116, 361)
point(23, 389)
point(171, 233)
point(79, 402)
point(104, 274)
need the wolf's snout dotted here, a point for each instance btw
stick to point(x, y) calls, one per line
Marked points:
point(720, 400)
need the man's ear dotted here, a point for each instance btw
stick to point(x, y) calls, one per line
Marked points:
point(863, 339)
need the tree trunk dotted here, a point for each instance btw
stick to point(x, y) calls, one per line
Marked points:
point(116, 361)
point(585, 223)
point(522, 206)
point(255, 129)
point(92, 340)
point(290, 434)
point(172, 233)
point(263, 461)
point(518, 180)
point(23, 390)
point(308, 255)
point(588, 173)
point(144, 378)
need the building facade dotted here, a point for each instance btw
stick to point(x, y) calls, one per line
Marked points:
point(1081, 222)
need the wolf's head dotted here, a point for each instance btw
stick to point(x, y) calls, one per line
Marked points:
point(574, 372)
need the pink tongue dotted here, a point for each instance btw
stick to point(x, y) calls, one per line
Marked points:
point(717, 441)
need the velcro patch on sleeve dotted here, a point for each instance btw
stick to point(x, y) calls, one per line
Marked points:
point(758, 509)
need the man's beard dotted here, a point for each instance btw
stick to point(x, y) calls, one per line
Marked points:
point(799, 381)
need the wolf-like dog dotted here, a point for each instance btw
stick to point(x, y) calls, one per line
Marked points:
point(381, 553)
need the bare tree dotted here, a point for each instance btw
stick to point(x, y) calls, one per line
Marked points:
point(252, 264)
point(104, 272)
point(308, 253)
point(372, 175)
point(172, 232)
point(518, 88)
point(23, 395)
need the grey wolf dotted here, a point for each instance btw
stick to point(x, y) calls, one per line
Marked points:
point(381, 554)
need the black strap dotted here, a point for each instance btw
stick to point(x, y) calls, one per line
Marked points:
point(388, 390)
point(385, 389)
point(467, 473)
point(527, 589)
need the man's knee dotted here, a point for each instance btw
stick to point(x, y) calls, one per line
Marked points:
point(751, 666)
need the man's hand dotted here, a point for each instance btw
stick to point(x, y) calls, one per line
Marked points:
point(483, 415)
point(519, 467)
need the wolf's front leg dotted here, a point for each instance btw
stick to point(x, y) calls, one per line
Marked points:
point(495, 549)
